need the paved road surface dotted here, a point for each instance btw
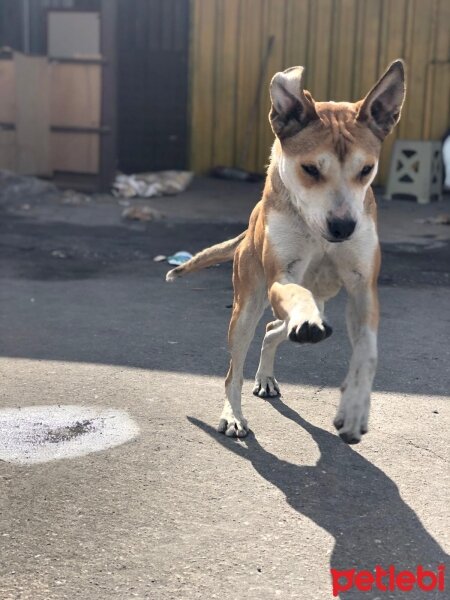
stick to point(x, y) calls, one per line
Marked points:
point(178, 511)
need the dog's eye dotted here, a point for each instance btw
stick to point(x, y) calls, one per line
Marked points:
point(311, 170)
point(366, 170)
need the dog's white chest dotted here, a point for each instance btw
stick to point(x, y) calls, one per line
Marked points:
point(321, 278)
point(303, 256)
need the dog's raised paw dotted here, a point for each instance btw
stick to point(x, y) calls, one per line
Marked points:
point(310, 333)
point(266, 387)
point(233, 427)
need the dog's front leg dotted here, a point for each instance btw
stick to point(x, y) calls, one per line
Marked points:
point(295, 305)
point(362, 323)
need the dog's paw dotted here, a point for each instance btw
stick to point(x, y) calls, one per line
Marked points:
point(308, 332)
point(266, 386)
point(233, 427)
point(351, 422)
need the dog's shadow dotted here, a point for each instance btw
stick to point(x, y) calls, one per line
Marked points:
point(349, 497)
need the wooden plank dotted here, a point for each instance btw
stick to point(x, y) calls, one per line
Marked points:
point(202, 87)
point(393, 31)
point(408, 41)
point(439, 104)
point(319, 48)
point(32, 114)
point(369, 48)
point(392, 47)
point(75, 152)
point(224, 104)
point(429, 68)
point(358, 34)
point(296, 33)
point(75, 95)
point(7, 92)
point(343, 51)
point(273, 24)
point(417, 58)
point(246, 82)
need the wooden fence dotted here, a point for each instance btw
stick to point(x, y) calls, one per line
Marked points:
point(343, 44)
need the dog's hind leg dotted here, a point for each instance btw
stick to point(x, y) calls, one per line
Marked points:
point(249, 303)
point(265, 382)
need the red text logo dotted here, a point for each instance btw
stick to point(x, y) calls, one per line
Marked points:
point(388, 580)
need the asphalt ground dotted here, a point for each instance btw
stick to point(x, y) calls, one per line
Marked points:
point(178, 511)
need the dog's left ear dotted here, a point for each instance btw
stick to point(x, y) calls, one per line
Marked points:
point(293, 108)
point(381, 108)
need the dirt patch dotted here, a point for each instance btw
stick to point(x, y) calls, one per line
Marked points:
point(65, 433)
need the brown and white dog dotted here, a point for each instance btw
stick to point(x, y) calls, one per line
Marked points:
point(313, 232)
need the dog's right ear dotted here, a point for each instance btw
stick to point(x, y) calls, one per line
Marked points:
point(292, 108)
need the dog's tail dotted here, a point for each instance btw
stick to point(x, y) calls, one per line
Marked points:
point(206, 258)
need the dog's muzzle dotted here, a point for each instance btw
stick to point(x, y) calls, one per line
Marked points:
point(340, 230)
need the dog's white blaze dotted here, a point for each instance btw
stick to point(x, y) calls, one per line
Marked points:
point(356, 162)
point(325, 162)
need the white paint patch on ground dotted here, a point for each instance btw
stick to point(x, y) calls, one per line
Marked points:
point(37, 434)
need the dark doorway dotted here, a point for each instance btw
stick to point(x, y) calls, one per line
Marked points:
point(153, 46)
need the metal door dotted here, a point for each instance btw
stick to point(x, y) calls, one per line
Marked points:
point(153, 45)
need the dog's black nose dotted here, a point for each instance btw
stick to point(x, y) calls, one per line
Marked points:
point(340, 229)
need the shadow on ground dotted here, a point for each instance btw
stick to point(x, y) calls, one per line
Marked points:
point(85, 293)
point(350, 498)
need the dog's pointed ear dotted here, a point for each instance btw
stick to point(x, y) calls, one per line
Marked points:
point(382, 106)
point(292, 107)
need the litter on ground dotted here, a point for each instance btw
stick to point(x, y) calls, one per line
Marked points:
point(141, 213)
point(146, 185)
point(442, 219)
point(179, 258)
point(74, 198)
